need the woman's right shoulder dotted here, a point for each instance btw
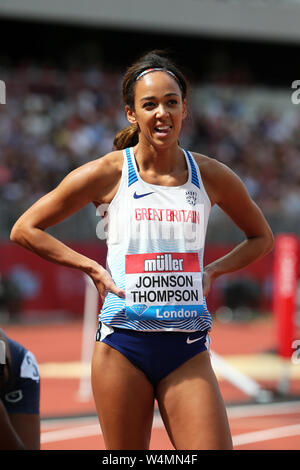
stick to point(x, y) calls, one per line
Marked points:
point(97, 177)
point(103, 169)
point(111, 163)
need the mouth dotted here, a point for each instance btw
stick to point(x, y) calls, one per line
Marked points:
point(163, 131)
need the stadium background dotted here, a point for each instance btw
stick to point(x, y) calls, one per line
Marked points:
point(62, 65)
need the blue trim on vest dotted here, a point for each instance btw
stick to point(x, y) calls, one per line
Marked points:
point(195, 179)
point(132, 177)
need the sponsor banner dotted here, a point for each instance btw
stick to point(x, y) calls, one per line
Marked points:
point(286, 265)
point(162, 262)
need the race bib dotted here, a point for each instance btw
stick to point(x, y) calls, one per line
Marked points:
point(163, 286)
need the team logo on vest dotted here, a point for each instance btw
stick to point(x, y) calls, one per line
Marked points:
point(191, 197)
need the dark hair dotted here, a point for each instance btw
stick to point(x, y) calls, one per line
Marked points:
point(128, 137)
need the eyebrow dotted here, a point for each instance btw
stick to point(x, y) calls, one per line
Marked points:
point(153, 97)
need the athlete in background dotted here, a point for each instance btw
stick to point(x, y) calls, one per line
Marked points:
point(19, 397)
point(149, 345)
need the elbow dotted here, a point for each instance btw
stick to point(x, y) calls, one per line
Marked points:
point(17, 234)
point(14, 234)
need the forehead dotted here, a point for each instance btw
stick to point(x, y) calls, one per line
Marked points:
point(156, 84)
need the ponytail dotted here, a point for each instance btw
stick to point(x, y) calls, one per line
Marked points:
point(127, 137)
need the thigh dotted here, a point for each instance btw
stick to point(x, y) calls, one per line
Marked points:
point(124, 399)
point(192, 407)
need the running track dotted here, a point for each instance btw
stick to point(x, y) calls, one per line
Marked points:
point(69, 422)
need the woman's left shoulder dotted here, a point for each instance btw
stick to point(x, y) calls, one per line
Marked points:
point(212, 172)
point(208, 166)
point(220, 181)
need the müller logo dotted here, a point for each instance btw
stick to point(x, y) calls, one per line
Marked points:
point(2, 92)
point(163, 263)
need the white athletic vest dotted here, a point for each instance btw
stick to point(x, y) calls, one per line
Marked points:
point(155, 238)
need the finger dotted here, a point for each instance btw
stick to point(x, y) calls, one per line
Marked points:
point(110, 286)
point(116, 290)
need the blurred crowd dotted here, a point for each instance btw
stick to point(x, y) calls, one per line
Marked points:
point(55, 120)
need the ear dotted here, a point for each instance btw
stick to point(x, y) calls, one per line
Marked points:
point(130, 114)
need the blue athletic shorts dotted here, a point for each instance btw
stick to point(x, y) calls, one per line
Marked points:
point(155, 353)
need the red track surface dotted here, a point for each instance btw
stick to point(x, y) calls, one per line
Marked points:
point(268, 426)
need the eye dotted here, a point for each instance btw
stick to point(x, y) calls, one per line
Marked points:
point(172, 101)
point(148, 104)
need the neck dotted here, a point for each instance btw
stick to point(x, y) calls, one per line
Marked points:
point(159, 160)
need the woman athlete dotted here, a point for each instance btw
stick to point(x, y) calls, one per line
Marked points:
point(152, 341)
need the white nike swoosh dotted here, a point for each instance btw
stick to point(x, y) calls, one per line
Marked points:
point(190, 341)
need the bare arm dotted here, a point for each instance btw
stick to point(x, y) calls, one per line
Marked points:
point(94, 181)
point(27, 426)
point(9, 439)
point(227, 190)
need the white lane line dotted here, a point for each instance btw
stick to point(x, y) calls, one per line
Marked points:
point(243, 411)
point(266, 435)
point(76, 432)
point(70, 433)
point(49, 424)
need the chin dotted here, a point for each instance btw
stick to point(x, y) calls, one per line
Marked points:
point(165, 143)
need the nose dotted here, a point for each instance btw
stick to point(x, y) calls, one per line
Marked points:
point(161, 111)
